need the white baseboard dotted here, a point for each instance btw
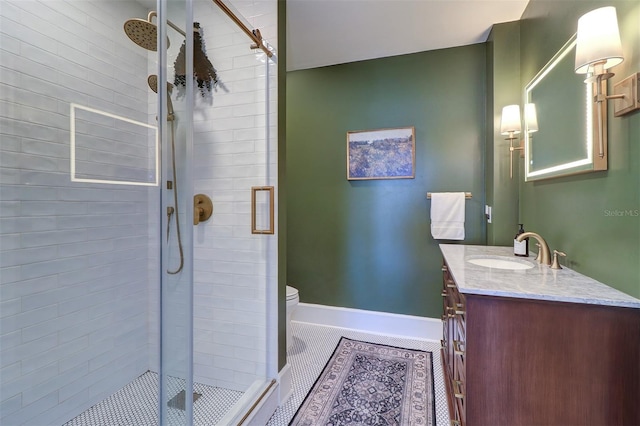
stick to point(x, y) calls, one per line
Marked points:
point(399, 325)
point(286, 384)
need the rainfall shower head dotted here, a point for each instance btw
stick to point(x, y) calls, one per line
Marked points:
point(152, 80)
point(143, 32)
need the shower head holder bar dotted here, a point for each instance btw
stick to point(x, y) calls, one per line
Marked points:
point(143, 32)
point(171, 24)
point(255, 34)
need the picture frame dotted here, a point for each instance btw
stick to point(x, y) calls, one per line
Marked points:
point(381, 154)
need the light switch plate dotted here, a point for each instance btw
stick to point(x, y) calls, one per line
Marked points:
point(630, 88)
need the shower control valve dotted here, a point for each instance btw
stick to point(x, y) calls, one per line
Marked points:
point(202, 208)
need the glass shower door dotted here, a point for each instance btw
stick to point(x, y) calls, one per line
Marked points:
point(217, 277)
point(234, 152)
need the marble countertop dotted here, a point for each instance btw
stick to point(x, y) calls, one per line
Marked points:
point(539, 282)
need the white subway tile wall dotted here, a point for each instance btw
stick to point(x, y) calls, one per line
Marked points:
point(75, 257)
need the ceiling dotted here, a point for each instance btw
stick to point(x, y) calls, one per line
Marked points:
point(329, 32)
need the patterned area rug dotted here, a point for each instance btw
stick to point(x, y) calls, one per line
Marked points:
point(370, 384)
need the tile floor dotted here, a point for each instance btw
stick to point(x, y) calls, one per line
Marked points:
point(312, 347)
point(136, 404)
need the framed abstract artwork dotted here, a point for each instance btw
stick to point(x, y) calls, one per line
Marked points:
point(381, 154)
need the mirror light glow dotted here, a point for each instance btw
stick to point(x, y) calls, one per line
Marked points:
point(579, 165)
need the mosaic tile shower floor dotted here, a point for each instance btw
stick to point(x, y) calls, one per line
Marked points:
point(136, 404)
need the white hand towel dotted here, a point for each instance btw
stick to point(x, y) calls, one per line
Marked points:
point(447, 215)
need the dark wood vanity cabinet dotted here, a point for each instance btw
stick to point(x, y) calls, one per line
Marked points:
point(529, 362)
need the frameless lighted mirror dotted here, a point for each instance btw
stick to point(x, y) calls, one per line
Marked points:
point(564, 142)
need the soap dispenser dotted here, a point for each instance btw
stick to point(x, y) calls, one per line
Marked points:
point(521, 248)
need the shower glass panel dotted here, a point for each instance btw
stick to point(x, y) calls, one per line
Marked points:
point(216, 275)
point(79, 207)
point(176, 274)
point(233, 152)
point(114, 306)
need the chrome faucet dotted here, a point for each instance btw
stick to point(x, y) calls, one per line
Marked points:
point(543, 255)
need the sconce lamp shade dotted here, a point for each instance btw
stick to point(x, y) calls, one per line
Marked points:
point(510, 122)
point(598, 40)
point(531, 118)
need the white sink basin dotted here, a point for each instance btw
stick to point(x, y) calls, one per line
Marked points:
point(501, 262)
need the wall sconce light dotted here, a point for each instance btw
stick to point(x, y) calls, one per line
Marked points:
point(598, 46)
point(598, 49)
point(510, 125)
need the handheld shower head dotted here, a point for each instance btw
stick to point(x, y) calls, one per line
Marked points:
point(152, 80)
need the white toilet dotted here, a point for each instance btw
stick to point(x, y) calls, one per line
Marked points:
point(292, 302)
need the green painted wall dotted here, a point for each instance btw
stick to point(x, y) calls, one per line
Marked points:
point(592, 217)
point(503, 88)
point(367, 244)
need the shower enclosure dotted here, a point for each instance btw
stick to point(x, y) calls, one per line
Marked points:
point(121, 302)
